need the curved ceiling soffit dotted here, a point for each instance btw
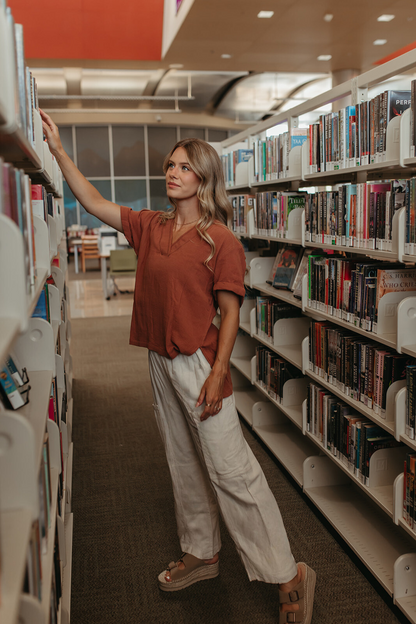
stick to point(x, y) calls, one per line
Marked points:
point(155, 82)
point(220, 95)
point(275, 109)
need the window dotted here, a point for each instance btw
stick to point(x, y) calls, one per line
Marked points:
point(217, 135)
point(65, 133)
point(93, 151)
point(192, 133)
point(70, 203)
point(104, 187)
point(131, 193)
point(128, 151)
point(161, 140)
point(158, 198)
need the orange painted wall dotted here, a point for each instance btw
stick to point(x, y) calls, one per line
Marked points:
point(91, 29)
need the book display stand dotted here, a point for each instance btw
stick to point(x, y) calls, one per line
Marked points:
point(369, 517)
point(34, 342)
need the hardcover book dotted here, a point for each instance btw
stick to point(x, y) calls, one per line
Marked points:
point(286, 268)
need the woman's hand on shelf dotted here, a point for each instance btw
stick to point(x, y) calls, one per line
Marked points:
point(51, 132)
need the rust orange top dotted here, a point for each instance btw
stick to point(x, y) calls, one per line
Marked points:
point(175, 301)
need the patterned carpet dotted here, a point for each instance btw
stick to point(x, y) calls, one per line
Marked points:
point(124, 527)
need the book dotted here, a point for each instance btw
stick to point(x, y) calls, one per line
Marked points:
point(286, 267)
point(9, 393)
point(394, 280)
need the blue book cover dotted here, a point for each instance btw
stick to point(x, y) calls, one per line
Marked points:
point(42, 310)
point(243, 155)
point(298, 139)
point(349, 112)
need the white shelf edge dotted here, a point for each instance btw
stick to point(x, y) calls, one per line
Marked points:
point(15, 529)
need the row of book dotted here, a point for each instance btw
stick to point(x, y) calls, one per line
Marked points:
point(42, 535)
point(272, 210)
point(344, 433)
point(356, 215)
point(20, 200)
point(361, 369)
point(351, 290)
point(272, 372)
point(409, 493)
point(241, 205)
point(24, 83)
point(269, 311)
point(355, 135)
point(230, 162)
point(271, 155)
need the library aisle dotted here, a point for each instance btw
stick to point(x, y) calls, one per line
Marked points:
point(125, 532)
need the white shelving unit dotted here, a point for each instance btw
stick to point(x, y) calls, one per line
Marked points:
point(368, 517)
point(34, 342)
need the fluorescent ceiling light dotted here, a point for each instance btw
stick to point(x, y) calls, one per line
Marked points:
point(379, 41)
point(265, 14)
point(176, 66)
point(328, 17)
point(385, 18)
point(226, 56)
point(325, 57)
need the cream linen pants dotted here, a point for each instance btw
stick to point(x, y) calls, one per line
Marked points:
point(213, 467)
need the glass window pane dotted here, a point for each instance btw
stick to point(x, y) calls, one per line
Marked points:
point(93, 151)
point(161, 141)
point(131, 193)
point(65, 133)
point(70, 204)
point(104, 187)
point(217, 135)
point(158, 198)
point(192, 133)
point(128, 149)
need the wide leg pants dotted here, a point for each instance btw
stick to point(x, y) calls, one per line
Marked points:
point(213, 467)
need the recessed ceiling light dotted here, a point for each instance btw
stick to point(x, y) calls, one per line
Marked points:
point(226, 56)
point(176, 66)
point(325, 57)
point(328, 17)
point(265, 14)
point(379, 41)
point(385, 18)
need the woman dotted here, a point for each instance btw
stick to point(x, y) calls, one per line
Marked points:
point(190, 264)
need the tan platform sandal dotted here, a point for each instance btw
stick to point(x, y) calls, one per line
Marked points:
point(174, 579)
point(302, 595)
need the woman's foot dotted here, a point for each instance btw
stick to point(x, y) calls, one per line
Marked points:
point(296, 597)
point(186, 571)
point(215, 558)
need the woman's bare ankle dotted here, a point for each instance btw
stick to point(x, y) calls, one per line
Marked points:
point(213, 560)
point(287, 587)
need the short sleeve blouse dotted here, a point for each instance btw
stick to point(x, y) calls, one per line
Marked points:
point(175, 293)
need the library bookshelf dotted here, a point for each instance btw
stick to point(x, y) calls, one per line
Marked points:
point(367, 516)
point(43, 348)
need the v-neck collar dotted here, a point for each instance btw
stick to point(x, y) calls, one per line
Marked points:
point(171, 247)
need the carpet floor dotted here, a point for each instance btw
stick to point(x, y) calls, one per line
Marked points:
point(124, 525)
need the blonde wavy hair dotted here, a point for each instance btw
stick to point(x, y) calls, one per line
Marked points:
point(213, 200)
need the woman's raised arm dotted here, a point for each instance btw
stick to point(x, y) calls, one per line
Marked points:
point(86, 193)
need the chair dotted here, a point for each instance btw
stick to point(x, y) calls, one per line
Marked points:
point(89, 249)
point(123, 263)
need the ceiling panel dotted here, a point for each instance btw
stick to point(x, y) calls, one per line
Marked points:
point(91, 29)
point(295, 35)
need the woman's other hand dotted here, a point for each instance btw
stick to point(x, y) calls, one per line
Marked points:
point(212, 393)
